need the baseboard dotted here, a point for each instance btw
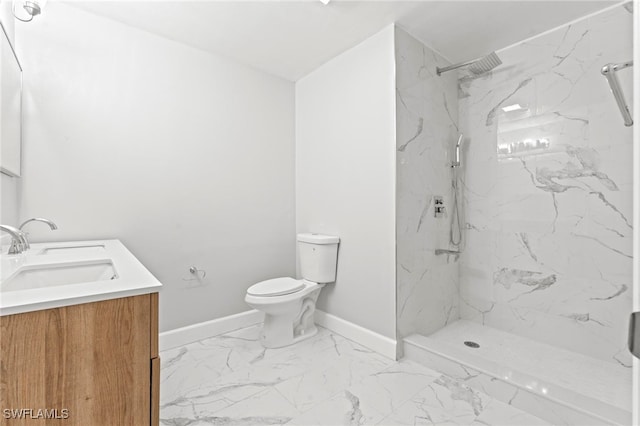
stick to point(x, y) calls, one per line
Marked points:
point(370, 339)
point(192, 333)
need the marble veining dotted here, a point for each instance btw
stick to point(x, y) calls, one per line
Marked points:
point(326, 380)
point(462, 392)
point(491, 115)
point(547, 191)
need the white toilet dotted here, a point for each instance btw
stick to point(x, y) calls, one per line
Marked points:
point(289, 304)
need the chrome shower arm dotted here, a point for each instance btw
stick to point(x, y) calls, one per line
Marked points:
point(455, 66)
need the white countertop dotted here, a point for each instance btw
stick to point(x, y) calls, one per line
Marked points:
point(132, 277)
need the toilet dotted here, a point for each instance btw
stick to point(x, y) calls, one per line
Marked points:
point(289, 304)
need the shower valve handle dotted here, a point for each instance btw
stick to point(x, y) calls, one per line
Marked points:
point(438, 206)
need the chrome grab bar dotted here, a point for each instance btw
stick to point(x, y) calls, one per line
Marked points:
point(609, 71)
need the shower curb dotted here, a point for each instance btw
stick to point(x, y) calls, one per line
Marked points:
point(548, 408)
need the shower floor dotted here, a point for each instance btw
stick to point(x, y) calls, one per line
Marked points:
point(600, 387)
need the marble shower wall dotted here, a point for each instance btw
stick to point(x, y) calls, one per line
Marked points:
point(427, 128)
point(548, 191)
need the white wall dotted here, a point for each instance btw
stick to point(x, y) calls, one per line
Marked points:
point(8, 185)
point(186, 157)
point(345, 177)
point(6, 17)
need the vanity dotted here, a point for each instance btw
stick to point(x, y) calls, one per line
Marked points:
point(79, 336)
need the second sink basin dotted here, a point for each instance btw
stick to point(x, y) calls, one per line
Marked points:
point(52, 275)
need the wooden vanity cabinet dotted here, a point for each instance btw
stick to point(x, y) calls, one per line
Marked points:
point(94, 363)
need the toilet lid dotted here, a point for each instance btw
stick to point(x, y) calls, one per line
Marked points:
point(276, 287)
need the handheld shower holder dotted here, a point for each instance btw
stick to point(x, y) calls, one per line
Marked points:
point(439, 209)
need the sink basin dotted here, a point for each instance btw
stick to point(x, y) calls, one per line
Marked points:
point(88, 249)
point(68, 273)
point(53, 275)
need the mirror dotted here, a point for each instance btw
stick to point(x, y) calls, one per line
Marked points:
point(10, 107)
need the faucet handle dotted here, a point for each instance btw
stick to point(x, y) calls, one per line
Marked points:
point(18, 239)
point(17, 246)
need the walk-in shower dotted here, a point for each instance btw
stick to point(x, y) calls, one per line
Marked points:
point(539, 196)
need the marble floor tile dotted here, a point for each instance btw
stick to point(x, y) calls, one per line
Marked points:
point(372, 398)
point(498, 413)
point(325, 380)
point(267, 407)
point(319, 384)
point(444, 401)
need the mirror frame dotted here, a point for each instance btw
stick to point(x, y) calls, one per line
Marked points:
point(10, 170)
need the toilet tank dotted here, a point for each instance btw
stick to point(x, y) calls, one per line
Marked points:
point(318, 257)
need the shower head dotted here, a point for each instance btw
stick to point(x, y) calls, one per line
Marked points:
point(477, 66)
point(485, 64)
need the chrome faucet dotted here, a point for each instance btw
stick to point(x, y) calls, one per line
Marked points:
point(52, 225)
point(18, 239)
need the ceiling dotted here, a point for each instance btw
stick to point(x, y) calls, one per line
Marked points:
point(292, 38)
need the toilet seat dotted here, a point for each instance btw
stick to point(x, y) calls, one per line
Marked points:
point(276, 287)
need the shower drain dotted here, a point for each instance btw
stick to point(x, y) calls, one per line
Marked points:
point(472, 344)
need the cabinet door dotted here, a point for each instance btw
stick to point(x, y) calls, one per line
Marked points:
point(155, 391)
point(90, 361)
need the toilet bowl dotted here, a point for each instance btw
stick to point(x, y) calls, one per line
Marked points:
point(289, 304)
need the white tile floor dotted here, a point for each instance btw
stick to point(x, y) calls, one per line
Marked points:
point(326, 380)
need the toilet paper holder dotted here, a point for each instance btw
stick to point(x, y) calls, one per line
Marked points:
point(196, 274)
